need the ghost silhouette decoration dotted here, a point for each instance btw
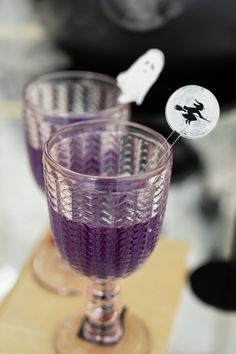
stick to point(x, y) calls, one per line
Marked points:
point(138, 79)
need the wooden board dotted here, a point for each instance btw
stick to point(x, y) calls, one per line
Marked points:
point(30, 315)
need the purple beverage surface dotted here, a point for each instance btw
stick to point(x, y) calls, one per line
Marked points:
point(105, 252)
point(36, 164)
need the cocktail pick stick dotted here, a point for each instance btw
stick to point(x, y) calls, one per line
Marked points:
point(154, 158)
point(171, 144)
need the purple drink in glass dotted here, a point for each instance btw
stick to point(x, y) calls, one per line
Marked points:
point(107, 186)
point(35, 159)
point(104, 252)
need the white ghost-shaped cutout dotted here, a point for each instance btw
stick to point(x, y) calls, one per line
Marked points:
point(137, 80)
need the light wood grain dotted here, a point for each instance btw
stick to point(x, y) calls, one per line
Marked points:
point(21, 31)
point(10, 109)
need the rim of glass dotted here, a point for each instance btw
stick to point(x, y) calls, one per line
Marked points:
point(76, 175)
point(70, 74)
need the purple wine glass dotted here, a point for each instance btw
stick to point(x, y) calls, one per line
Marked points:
point(107, 184)
point(50, 102)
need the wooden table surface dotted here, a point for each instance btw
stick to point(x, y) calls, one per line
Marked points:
point(30, 315)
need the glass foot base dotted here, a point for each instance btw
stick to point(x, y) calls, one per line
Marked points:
point(54, 274)
point(136, 339)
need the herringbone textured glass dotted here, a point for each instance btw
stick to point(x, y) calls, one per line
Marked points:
point(54, 100)
point(106, 204)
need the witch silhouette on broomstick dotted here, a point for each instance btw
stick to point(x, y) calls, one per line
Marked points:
point(192, 113)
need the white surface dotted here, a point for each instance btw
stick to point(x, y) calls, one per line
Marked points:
point(22, 206)
point(8, 276)
point(199, 328)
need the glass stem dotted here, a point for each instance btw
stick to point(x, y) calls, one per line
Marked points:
point(102, 324)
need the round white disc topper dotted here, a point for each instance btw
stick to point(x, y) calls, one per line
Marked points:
point(192, 111)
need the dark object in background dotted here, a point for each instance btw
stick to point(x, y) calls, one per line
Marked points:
point(142, 15)
point(197, 37)
point(210, 205)
point(214, 282)
point(185, 162)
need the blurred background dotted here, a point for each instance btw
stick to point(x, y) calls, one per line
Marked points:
point(198, 38)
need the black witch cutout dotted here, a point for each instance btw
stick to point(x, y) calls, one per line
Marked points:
point(192, 114)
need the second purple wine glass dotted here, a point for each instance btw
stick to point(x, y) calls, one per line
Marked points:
point(107, 185)
point(49, 102)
